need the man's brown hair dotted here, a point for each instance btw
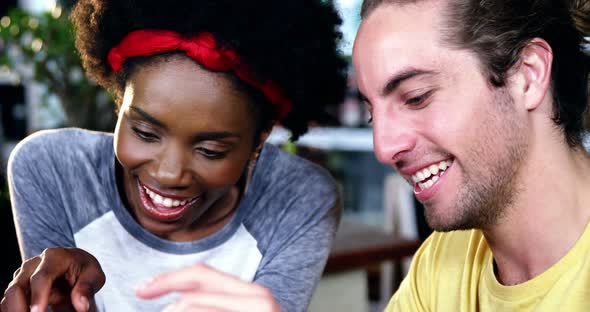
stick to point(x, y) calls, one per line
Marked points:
point(497, 31)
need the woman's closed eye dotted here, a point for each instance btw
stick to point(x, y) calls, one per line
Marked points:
point(211, 154)
point(145, 136)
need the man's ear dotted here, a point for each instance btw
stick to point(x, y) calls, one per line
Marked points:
point(532, 77)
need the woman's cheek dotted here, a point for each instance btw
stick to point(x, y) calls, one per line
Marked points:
point(224, 172)
point(130, 151)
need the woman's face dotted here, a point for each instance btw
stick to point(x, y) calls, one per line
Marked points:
point(183, 138)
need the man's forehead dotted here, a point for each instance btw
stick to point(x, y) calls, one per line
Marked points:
point(411, 15)
point(393, 39)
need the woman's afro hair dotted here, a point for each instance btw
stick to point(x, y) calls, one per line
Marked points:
point(292, 42)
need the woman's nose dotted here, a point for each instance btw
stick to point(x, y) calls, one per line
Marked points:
point(172, 168)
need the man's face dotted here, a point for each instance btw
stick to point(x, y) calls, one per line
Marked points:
point(457, 140)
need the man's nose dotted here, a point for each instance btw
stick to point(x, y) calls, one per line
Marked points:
point(392, 138)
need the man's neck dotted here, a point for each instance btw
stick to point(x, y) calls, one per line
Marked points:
point(549, 214)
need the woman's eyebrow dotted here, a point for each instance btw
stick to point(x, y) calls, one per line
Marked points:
point(147, 116)
point(213, 135)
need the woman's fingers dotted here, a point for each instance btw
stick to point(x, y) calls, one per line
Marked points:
point(206, 289)
point(60, 277)
point(90, 280)
point(192, 303)
point(194, 277)
point(17, 294)
point(211, 301)
point(51, 275)
point(15, 299)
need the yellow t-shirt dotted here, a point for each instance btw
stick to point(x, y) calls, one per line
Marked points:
point(454, 272)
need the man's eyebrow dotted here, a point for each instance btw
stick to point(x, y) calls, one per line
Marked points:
point(394, 82)
point(147, 116)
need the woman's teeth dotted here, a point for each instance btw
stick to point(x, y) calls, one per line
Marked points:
point(165, 201)
point(426, 177)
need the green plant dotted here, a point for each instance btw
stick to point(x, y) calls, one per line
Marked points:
point(41, 48)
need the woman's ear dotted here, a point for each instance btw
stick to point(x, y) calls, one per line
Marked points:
point(262, 138)
point(533, 76)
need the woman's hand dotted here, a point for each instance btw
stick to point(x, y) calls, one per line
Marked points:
point(206, 289)
point(64, 278)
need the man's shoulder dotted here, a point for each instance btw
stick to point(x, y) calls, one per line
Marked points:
point(457, 239)
point(446, 257)
point(452, 249)
point(445, 272)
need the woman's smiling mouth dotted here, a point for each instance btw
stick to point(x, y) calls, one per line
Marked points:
point(161, 208)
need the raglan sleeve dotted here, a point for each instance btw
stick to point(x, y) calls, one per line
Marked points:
point(33, 180)
point(300, 246)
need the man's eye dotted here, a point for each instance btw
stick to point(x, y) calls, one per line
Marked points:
point(145, 136)
point(415, 100)
point(369, 111)
point(418, 100)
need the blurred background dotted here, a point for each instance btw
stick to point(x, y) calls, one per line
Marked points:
point(42, 86)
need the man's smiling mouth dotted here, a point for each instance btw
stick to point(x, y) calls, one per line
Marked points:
point(424, 179)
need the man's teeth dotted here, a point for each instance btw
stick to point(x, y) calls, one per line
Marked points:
point(165, 201)
point(434, 171)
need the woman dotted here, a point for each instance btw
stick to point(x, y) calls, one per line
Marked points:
point(185, 189)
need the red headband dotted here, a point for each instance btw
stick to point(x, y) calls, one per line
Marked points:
point(203, 49)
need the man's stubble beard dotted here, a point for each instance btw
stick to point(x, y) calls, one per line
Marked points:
point(490, 186)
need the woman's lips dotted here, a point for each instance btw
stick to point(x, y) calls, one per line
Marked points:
point(161, 211)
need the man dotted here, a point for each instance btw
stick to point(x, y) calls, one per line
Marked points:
point(479, 105)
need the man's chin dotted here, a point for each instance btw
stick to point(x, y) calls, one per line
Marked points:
point(446, 223)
